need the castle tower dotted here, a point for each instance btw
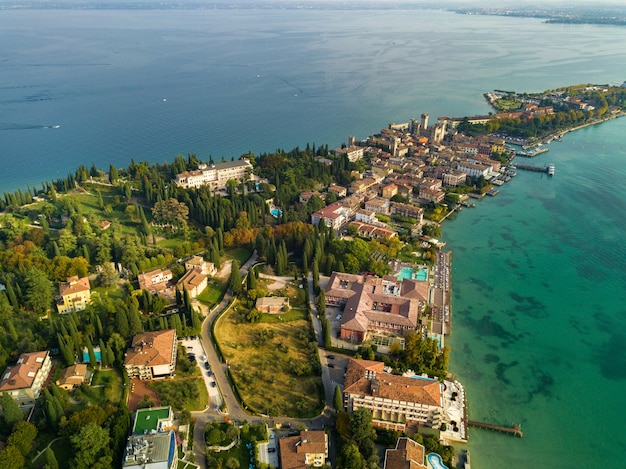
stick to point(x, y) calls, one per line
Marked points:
point(351, 140)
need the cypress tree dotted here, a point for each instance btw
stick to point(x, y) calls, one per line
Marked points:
point(121, 323)
point(92, 354)
point(66, 351)
point(12, 297)
point(103, 353)
point(338, 399)
point(51, 460)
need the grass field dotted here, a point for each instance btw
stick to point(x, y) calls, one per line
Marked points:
point(213, 294)
point(277, 354)
point(239, 254)
point(106, 385)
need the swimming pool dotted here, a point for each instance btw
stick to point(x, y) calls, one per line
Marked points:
point(276, 212)
point(435, 461)
point(407, 272)
point(421, 275)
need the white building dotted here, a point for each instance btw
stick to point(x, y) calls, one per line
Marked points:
point(215, 175)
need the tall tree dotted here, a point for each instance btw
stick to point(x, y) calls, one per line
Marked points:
point(235, 278)
point(11, 412)
point(39, 292)
point(338, 399)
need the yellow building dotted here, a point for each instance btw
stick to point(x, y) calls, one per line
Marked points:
point(74, 294)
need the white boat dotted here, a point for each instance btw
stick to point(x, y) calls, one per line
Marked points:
point(551, 170)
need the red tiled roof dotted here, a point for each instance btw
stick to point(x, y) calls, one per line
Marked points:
point(400, 388)
point(151, 348)
point(23, 374)
point(74, 285)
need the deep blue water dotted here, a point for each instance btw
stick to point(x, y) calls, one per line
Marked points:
point(538, 271)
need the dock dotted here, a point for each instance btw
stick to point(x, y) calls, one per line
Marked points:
point(538, 169)
point(532, 153)
point(514, 430)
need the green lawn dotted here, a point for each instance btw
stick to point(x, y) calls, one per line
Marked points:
point(239, 254)
point(291, 315)
point(106, 385)
point(213, 294)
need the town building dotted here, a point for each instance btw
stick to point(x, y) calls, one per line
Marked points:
point(309, 449)
point(156, 281)
point(334, 215)
point(365, 216)
point(407, 454)
point(339, 191)
point(74, 295)
point(72, 377)
point(430, 195)
point(453, 178)
point(194, 281)
point(389, 191)
point(353, 153)
point(153, 419)
point(367, 230)
point(396, 402)
point(377, 205)
point(151, 451)
point(197, 262)
point(272, 304)
point(216, 175)
point(376, 306)
point(408, 210)
point(152, 355)
point(24, 381)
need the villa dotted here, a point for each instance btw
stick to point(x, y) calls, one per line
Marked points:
point(216, 175)
point(309, 449)
point(152, 355)
point(74, 295)
point(24, 381)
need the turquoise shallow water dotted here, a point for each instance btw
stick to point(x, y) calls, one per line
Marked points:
point(539, 322)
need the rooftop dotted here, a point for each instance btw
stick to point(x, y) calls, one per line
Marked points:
point(148, 419)
point(151, 348)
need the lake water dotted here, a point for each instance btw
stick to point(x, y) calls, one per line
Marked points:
point(538, 271)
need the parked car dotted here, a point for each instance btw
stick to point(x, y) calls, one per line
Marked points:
point(330, 357)
point(206, 366)
point(271, 450)
point(331, 365)
point(213, 384)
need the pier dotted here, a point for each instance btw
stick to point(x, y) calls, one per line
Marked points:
point(514, 430)
point(538, 169)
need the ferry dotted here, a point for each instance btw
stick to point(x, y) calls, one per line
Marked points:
point(550, 170)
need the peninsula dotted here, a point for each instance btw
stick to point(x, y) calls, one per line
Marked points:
point(303, 295)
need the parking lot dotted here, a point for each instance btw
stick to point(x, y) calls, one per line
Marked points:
point(268, 452)
point(194, 346)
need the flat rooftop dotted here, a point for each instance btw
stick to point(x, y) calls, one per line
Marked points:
point(148, 419)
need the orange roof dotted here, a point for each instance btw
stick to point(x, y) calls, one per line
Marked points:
point(23, 374)
point(293, 450)
point(408, 454)
point(151, 348)
point(362, 373)
point(74, 285)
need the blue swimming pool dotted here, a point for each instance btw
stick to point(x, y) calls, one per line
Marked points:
point(435, 461)
point(421, 275)
point(276, 212)
point(407, 272)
